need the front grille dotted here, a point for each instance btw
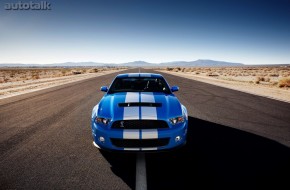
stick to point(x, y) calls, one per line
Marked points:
point(139, 143)
point(140, 124)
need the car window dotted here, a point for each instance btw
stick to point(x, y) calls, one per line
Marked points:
point(139, 84)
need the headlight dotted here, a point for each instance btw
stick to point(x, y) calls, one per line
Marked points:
point(102, 120)
point(176, 120)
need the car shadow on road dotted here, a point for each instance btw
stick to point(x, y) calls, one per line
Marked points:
point(123, 165)
point(220, 157)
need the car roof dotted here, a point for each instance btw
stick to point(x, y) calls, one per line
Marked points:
point(126, 75)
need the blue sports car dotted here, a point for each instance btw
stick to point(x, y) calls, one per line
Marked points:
point(139, 112)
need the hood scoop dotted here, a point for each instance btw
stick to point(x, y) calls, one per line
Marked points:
point(137, 104)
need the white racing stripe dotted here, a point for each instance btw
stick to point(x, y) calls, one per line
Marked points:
point(132, 97)
point(147, 97)
point(149, 134)
point(131, 112)
point(149, 148)
point(145, 75)
point(148, 112)
point(141, 178)
point(131, 134)
point(132, 149)
point(133, 75)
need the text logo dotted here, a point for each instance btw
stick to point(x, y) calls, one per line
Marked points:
point(42, 5)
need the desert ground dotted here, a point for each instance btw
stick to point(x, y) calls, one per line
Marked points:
point(268, 81)
point(15, 81)
point(272, 82)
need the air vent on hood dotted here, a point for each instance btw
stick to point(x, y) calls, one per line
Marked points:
point(136, 104)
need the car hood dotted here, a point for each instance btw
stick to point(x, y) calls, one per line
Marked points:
point(139, 105)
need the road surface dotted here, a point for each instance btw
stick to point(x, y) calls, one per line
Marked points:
point(235, 141)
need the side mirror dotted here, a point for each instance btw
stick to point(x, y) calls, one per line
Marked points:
point(104, 88)
point(174, 88)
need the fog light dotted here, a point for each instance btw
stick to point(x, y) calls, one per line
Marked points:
point(177, 138)
point(102, 139)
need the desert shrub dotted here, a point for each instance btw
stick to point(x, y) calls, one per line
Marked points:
point(260, 78)
point(210, 74)
point(284, 82)
point(76, 72)
point(6, 79)
point(274, 83)
point(35, 75)
point(63, 71)
point(267, 79)
point(178, 68)
point(169, 69)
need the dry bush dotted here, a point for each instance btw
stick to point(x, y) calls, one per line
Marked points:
point(273, 75)
point(63, 71)
point(274, 83)
point(176, 69)
point(35, 75)
point(76, 72)
point(95, 70)
point(267, 79)
point(260, 78)
point(285, 74)
point(284, 82)
point(210, 74)
point(169, 69)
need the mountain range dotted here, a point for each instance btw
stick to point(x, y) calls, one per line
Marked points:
point(197, 63)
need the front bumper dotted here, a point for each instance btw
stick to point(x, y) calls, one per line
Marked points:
point(139, 139)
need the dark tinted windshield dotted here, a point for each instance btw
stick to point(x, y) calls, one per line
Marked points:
point(139, 84)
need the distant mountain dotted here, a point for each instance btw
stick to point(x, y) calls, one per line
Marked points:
point(66, 64)
point(137, 64)
point(18, 65)
point(197, 63)
point(201, 63)
point(77, 64)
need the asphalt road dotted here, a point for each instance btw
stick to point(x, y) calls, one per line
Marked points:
point(235, 141)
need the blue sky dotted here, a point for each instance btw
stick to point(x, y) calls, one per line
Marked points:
point(118, 31)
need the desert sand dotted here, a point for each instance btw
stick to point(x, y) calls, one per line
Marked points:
point(260, 81)
point(20, 81)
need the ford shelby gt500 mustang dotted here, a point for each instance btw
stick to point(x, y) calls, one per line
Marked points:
point(139, 112)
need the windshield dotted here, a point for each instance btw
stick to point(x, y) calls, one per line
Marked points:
point(139, 84)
